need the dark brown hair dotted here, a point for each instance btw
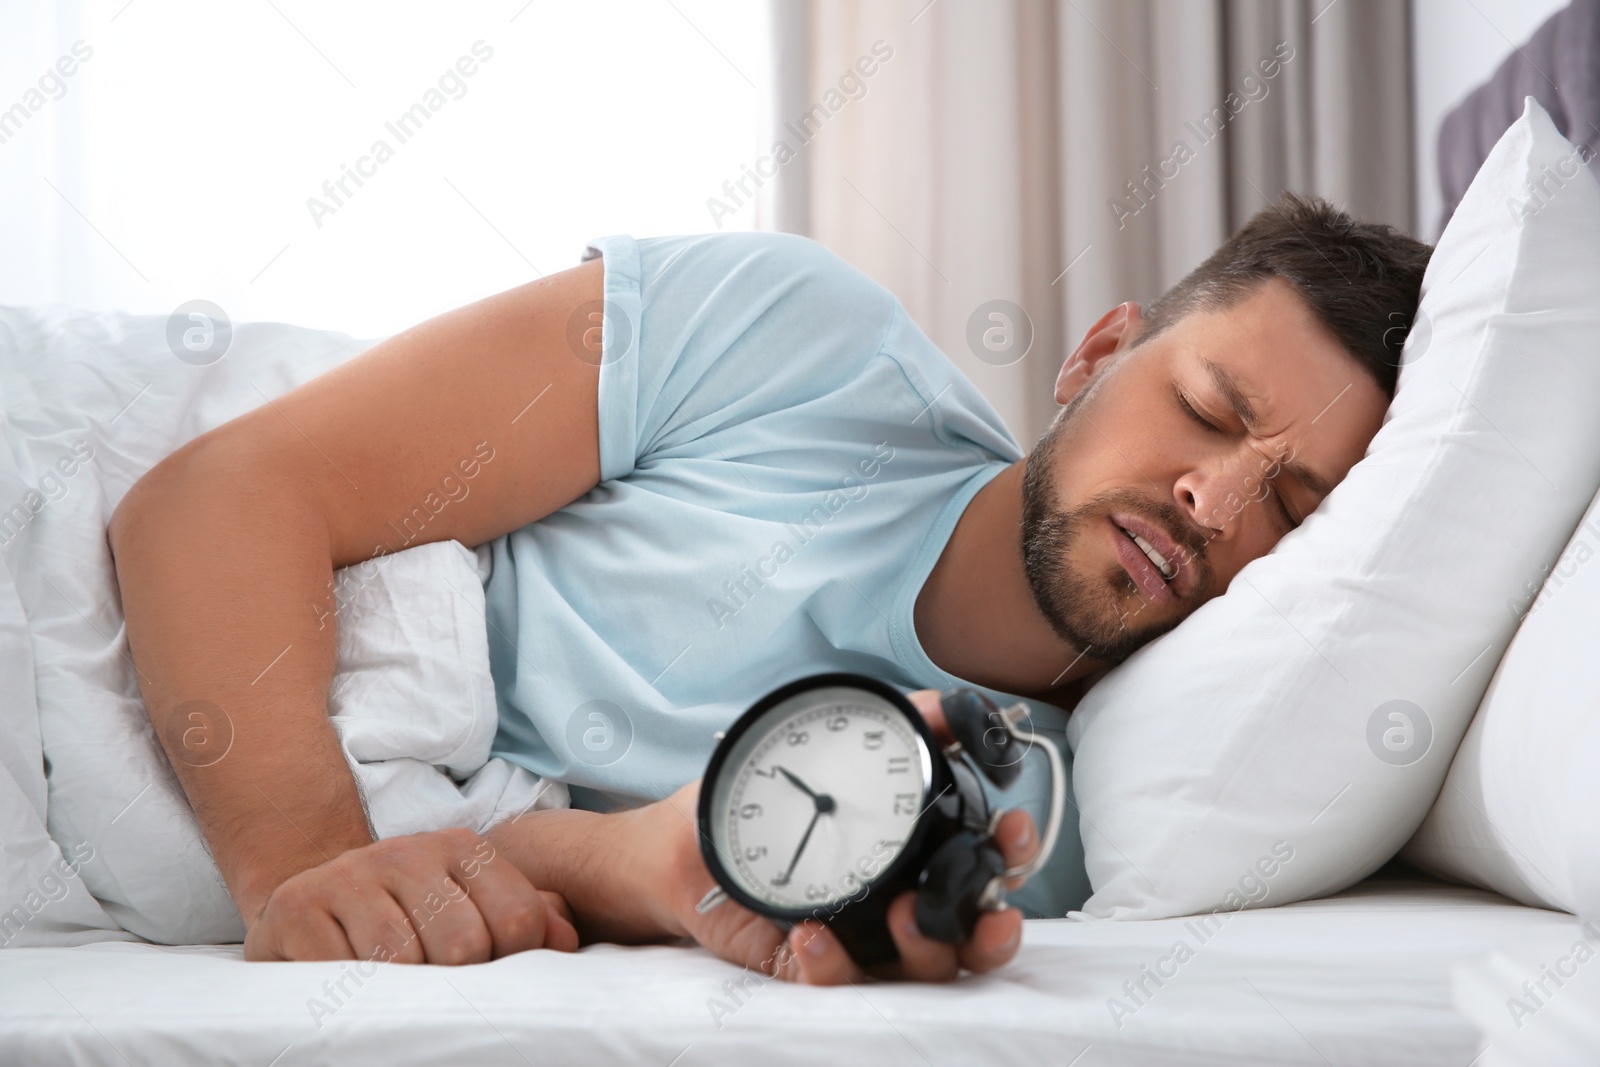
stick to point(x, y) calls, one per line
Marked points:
point(1361, 279)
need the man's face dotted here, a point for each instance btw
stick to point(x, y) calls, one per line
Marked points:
point(1182, 459)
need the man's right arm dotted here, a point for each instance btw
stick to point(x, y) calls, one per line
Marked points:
point(225, 550)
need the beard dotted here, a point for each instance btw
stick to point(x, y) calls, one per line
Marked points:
point(1098, 614)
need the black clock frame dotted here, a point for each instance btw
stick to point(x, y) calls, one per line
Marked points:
point(859, 920)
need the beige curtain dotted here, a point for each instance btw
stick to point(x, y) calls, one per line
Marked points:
point(1066, 157)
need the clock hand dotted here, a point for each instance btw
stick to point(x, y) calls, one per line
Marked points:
point(783, 879)
point(823, 801)
point(798, 784)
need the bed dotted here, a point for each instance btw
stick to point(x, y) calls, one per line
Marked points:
point(1401, 969)
point(1364, 978)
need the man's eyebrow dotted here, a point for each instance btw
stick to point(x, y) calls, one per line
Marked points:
point(1228, 386)
point(1245, 412)
point(1307, 477)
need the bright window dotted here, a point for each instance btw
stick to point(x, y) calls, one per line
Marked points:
point(360, 166)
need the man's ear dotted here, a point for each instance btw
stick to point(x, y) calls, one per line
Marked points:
point(1114, 331)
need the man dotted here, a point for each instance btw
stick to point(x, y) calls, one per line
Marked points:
point(755, 467)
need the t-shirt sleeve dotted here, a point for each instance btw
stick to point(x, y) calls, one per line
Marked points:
point(702, 333)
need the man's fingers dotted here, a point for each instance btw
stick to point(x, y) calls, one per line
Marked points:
point(376, 925)
point(452, 930)
point(741, 936)
point(922, 959)
point(559, 906)
point(296, 925)
point(516, 915)
point(317, 937)
point(462, 903)
point(1018, 840)
point(416, 870)
point(560, 932)
point(995, 942)
point(815, 957)
point(443, 897)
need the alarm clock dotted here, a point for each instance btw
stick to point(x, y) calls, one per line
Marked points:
point(830, 797)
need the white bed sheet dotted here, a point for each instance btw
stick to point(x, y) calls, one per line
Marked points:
point(1358, 979)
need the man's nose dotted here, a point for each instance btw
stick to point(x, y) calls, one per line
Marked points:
point(1215, 494)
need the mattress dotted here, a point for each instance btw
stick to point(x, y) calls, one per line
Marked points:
point(1362, 978)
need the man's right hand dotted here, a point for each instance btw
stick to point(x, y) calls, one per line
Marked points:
point(443, 897)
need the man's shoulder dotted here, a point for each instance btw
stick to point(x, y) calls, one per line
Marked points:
point(783, 265)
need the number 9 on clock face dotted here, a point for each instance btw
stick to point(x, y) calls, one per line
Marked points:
point(813, 797)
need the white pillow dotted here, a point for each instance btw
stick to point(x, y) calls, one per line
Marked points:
point(1287, 739)
point(1520, 808)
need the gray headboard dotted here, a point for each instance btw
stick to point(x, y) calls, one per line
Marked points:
point(1559, 67)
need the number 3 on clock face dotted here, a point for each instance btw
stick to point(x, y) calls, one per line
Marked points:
point(815, 797)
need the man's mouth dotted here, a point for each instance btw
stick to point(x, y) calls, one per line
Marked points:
point(1168, 570)
point(1151, 557)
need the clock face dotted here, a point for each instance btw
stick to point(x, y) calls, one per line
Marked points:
point(818, 797)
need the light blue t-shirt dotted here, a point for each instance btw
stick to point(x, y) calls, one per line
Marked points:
point(783, 456)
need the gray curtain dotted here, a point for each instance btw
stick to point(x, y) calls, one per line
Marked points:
point(1064, 157)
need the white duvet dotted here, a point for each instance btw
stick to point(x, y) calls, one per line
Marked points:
point(96, 839)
